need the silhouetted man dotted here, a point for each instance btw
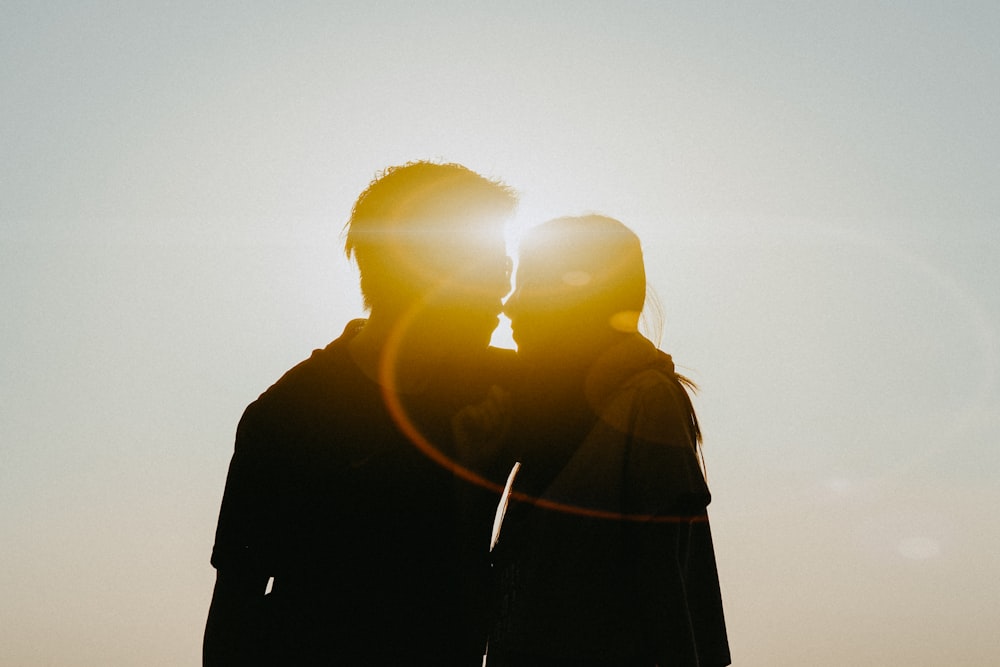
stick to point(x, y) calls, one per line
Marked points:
point(340, 488)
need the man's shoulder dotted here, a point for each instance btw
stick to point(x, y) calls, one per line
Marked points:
point(322, 372)
point(311, 403)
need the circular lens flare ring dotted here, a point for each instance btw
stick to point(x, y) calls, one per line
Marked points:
point(391, 396)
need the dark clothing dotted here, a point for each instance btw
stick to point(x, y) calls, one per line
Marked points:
point(606, 558)
point(371, 558)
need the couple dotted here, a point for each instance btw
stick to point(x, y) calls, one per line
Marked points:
point(355, 527)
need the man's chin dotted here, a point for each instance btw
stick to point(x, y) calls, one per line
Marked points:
point(473, 339)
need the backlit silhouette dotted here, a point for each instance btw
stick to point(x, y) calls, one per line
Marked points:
point(373, 561)
point(604, 556)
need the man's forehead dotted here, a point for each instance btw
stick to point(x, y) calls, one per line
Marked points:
point(441, 240)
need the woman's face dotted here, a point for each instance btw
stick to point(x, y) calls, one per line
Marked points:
point(580, 282)
point(549, 309)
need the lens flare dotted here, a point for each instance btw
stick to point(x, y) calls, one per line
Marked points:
point(576, 278)
point(626, 321)
point(391, 396)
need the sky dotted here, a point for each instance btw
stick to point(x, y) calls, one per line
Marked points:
point(817, 188)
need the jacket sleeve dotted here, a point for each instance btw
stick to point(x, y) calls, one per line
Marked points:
point(663, 474)
point(236, 629)
point(704, 597)
point(665, 483)
point(248, 507)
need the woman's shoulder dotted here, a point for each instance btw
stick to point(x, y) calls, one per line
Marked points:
point(653, 406)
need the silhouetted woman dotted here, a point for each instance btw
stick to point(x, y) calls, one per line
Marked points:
point(604, 556)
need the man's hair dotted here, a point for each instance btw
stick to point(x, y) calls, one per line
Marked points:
point(407, 220)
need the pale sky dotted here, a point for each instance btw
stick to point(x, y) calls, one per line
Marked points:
point(816, 185)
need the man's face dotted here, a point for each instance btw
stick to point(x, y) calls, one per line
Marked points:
point(471, 275)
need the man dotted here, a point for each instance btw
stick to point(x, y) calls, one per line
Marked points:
point(342, 490)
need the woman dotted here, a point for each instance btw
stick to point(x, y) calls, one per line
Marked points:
point(604, 556)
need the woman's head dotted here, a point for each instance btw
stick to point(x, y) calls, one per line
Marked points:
point(580, 280)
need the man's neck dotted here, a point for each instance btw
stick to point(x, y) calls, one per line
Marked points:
point(413, 354)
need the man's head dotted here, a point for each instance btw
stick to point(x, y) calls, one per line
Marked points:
point(430, 236)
